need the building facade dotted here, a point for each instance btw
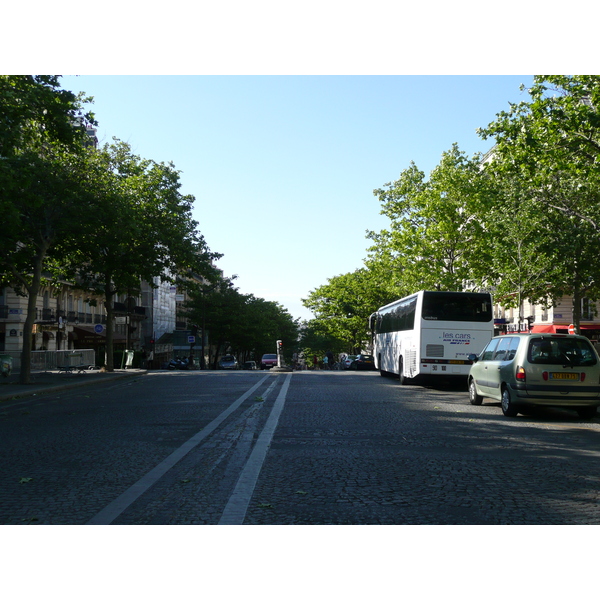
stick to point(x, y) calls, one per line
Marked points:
point(553, 319)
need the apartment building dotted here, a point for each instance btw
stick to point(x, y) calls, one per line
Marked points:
point(557, 319)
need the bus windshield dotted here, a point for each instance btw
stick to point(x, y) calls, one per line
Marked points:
point(457, 306)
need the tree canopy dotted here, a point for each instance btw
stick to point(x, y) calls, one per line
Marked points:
point(240, 323)
point(435, 225)
point(549, 148)
point(103, 219)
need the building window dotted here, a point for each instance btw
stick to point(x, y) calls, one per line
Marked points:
point(587, 309)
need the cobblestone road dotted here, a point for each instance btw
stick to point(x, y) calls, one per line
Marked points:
point(347, 448)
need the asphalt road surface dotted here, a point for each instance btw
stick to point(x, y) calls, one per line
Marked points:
point(260, 448)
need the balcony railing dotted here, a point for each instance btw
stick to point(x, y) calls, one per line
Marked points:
point(45, 314)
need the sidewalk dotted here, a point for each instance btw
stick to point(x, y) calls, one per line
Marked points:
point(44, 382)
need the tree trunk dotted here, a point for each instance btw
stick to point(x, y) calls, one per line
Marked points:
point(32, 291)
point(577, 308)
point(108, 303)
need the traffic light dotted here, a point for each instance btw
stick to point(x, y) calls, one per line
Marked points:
point(279, 345)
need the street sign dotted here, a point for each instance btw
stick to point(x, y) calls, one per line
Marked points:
point(571, 328)
point(99, 328)
point(191, 339)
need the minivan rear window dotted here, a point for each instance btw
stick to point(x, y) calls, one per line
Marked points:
point(569, 352)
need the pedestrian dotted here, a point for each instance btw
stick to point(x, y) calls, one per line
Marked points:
point(325, 362)
point(315, 362)
point(330, 359)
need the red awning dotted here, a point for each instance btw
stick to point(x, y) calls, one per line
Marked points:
point(560, 328)
point(543, 329)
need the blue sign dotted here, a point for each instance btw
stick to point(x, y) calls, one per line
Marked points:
point(99, 328)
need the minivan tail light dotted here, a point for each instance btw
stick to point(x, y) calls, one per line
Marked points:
point(520, 376)
point(545, 375)
point(582, 377)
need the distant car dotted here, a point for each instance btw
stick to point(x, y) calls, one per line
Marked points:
point(250, 365)
point(363, 362)
point(558, 370)
point(346, 362)
point(228, 362)
point(268, 361)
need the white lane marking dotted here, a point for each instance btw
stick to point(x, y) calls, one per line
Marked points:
point(110, 512)
point(237, 506)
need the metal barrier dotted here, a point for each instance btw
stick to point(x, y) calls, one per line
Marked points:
point(55, 360)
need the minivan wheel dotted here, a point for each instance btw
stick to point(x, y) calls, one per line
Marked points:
point(474, 397)
point(587, 412)
point(508, 408)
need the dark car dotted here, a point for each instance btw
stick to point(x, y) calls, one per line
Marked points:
point(363, 362)
point(250, 365)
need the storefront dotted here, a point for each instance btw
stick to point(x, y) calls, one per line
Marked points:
point(94, 337)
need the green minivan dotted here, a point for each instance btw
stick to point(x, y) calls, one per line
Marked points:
point(537, 369)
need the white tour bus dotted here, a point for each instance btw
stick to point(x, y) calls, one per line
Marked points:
point(431, 333)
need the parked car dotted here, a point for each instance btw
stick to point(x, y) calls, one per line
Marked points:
point(363, 362)
point(537, 369)
point(268, 361)
point(346, 362)
point(228, 362)
point(250, 365)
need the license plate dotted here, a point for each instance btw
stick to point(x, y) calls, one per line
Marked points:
point(570, 376)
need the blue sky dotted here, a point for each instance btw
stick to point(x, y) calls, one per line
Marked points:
point(284, 117)
point(283, 168)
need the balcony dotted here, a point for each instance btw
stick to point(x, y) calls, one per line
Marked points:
point(45, 315)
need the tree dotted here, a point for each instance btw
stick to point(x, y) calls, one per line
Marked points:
point(248, 325)
point(315, 341)
point(139, 228)
point(435, 239)
point(46, 198)
point(551, 146)
point(342, 307)
point(42, 143)
point(34, 110)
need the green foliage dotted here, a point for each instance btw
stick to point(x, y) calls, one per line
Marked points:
point(314, 341)
point(545, 163)
point(34, 111)
point(434, 240)
point(248, 325)
point(342, 308)
point(104, 219)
